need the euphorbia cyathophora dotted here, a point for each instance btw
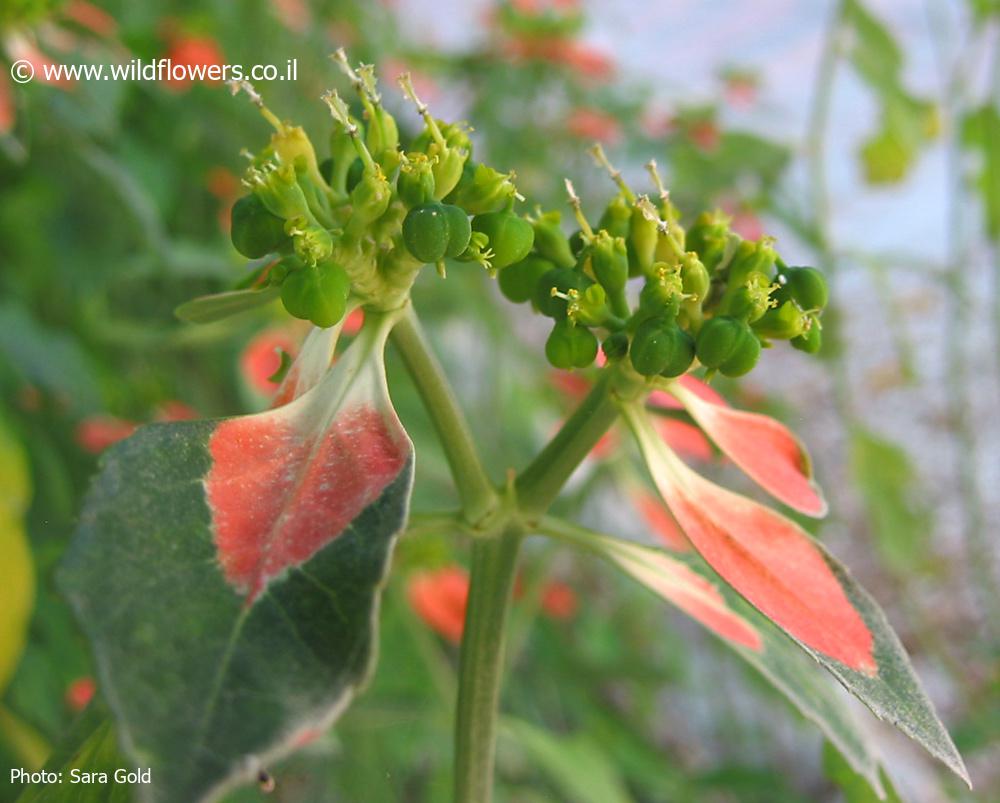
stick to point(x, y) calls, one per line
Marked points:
point(250, 552)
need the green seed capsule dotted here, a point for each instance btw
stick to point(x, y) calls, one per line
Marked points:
point(511, 237)
point(744, 356)
point(570, 346)
point(615, 346)
point(660, 346)
point(563, 280)
point(518, 281)
point(718, 339)
point(808, 287)
point(316, 293)
point(810, 341)
point(459, 230)
point(254, 230)
point(427, 231)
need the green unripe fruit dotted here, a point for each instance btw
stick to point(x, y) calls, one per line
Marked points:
point(717, 340)
point(615, 346)
point(563, 280)
point(694, 277)
point(459, 230)
point(808, 287)
point(570, 346)
point(316, 293)
point(415, 184)
point(783, 323)
point(659, 346)
point(810, 341)
point(427, 231)
point(518, 281)
point(511, 237)
point(254, 230)
point(744, 356)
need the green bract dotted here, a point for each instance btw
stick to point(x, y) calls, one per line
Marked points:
point(255, 232)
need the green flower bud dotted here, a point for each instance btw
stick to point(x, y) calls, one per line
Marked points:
point(312, 242)
point(478, 250)
point(488, 190)
point(570, 346)
point(615, 346)
point(809, 341)
point(278, 189)
point(718, 339)
point(663, 291)
point(617, 217)
point(642, 240)
point(550, 241)
point(708, 238)
point(609, 261)
point(292, 146)
point(744, 356)
point(660, 346)
point(589, 306)
point(783, 323)
point(451, 151)
point(750, 258)
point(749, 301)
point(562, 280)
point(511, 236)
point(254, 230)
point(518, 281)
point(807, 286)
point(694, 277)
point(371, 197)
point(316, 293)
point(415, 184)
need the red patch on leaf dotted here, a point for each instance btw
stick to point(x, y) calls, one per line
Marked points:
point(770, 561)
point(439, 597)
point(765, 449)
point(278, 495)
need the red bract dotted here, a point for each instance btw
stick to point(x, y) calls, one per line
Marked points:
point(690, 592)
point(559, 601)
point(660, 398)
point(97, 432)
point(7, 114)
point(278, 494)
point(173, 410)
point(684, 438)
point(192, 51)
point(660, 521)
point(593, 124)
point(439, 598)
point(354, 321)
point(764, 556)
point(764, 448)
point(80, 692)
point(262, 357)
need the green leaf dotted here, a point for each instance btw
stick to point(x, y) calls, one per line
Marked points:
point(574, 765)
point(855, 787)
point(228, 574)
point(777, 567)
point(887, 482)
point(981, 133)
point(17, 591)
point(89, 748)
point(871, 48)
point(206, 309)
point(686, 581)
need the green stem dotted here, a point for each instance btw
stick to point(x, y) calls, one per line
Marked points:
point(539, 484)
point(477, 494)
point(494, 564)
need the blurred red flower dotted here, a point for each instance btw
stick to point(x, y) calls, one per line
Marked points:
point(594, 124)
point(80, 692)
point(439, 597)
point(191, 51)
point(261, 357)
point(559, 601)
point(96, 433)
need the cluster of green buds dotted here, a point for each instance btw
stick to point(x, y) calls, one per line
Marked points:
point(356, 227)
point(705, 296)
